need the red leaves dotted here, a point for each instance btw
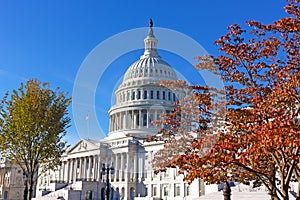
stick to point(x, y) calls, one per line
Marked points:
point(252, 134)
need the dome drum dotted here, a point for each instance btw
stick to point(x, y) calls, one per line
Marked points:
point(139, 98)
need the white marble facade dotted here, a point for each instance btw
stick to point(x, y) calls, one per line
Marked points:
point(139, 101)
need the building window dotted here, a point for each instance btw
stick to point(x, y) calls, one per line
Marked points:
point(89, 195)
point(154, 190)
point(151, 94)
point(166, 190)
point(164, 95)
point(137, 120)
point(157, 94)
point(174, 98)
point(139, 94)
point(177, 190)
point(187, 189)
point(169, 96)
point(145, 94)
point(133, 95)
point(150, 119)
point(145, 120)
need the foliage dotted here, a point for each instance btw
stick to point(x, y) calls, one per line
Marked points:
point(258, 137)
point(33, 123)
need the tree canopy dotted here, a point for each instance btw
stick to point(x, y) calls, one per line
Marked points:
point(33, 122)
point(250, 133)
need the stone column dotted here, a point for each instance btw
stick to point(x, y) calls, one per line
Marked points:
point(119, 121)
point(71, 170)
point(67, 171)
point(135, 167)
point(110, 124)
point(98, 168)
point(128, 167)
point(116, 168)
point(148, 118)
point(140, 118)
point(151, 170)
point(126, 120)
point(80, 168)
point(94, 168)
point(113, 122)
point(149, 190)
point(84, 168)
point(90, 167)
point(122, 167)
point(122, 116)
point(65, 174)
point(87, 167)
point(75, 169)
point(58, 171)
point(61, 172)
point(133, 120)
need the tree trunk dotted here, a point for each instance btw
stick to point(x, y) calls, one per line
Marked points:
point(31, 182)
point(274, 197)
point(227, 191)
point(273, 193)
point(30, 192)
point(25, 191)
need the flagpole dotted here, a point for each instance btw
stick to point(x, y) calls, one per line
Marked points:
point(87, 118)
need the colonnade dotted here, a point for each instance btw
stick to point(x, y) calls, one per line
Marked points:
point(89, 168)
point(133, 119)
point(80, 168)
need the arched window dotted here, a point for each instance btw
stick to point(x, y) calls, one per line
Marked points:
point(137, 120)
point(139, 94)
point(157, 94)
point(145, 94)
point(151, 94)
point(145, 120)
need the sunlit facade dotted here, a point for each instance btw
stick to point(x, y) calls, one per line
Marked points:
point(139, 101)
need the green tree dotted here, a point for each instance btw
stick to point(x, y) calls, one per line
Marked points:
point(33, 122)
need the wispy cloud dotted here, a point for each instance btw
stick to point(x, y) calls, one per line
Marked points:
point(4, 74)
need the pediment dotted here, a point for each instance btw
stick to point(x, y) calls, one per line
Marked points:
point(84, 145)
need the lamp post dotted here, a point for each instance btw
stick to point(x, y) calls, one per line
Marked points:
point(26, 186)
point(107, 170)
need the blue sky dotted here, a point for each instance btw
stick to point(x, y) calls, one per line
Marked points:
point(49, 40)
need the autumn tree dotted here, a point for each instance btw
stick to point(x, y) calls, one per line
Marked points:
point(33, 122)
point(259, 136)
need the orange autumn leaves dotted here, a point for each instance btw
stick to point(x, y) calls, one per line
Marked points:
point(249, 131)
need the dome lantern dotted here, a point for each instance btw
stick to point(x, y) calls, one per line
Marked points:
point(150, 44)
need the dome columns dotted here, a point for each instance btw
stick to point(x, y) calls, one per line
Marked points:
point(134, 119)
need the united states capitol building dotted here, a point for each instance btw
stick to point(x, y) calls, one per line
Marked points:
point(139, 101)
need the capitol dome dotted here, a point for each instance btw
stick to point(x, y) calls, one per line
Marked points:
point(139, 98)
